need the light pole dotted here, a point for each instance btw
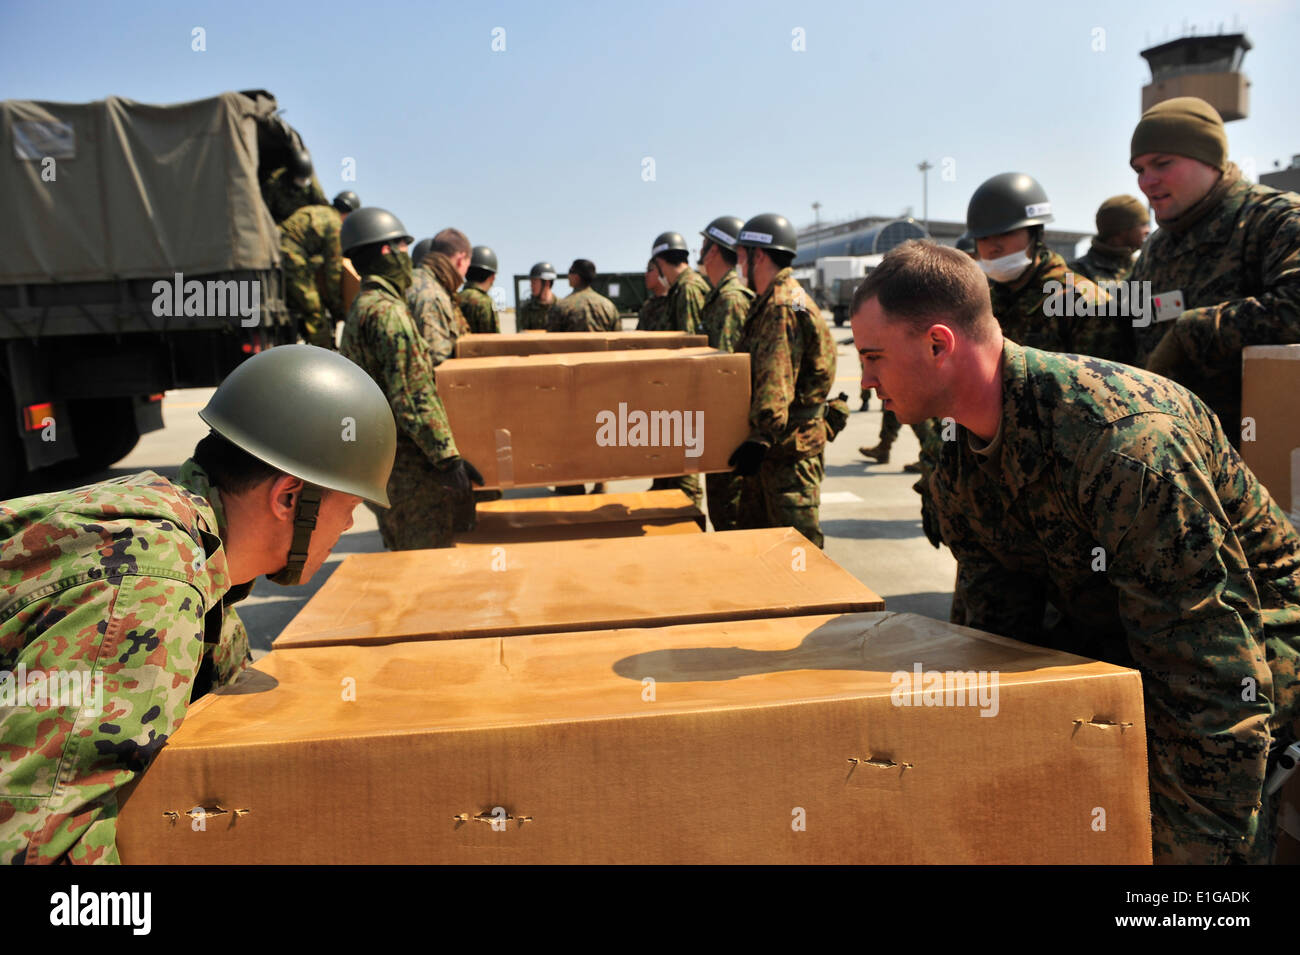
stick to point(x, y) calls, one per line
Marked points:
point(817, 244)
point(925, 168)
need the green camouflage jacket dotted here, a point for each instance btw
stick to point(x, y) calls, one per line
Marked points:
point(685, 300)
point(584, 311)
point(479, 310)
point(1104, 263)
point(436, 313)
point(1114, 495)
point(311, 237)
point(532, 315)
point(1236, 263)
point(118, 586)
point(650, 316)
point(283, 197)
point(723, 317)
point(791, 367)
point(380, 337)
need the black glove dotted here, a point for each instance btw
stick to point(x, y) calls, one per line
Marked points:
point(455, 474)
point(747, 458)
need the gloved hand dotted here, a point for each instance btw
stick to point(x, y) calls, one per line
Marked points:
point(747, 458)
point(456, 474)
point(1169, 359)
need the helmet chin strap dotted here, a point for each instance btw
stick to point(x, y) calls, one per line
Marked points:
point(304, 522)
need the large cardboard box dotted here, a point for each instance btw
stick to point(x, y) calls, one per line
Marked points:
point(550, 343)
point(351, 284)
point(601, 416)
point(1270, 379)
point(757, 741)
point(582, 516)
point(551, 587)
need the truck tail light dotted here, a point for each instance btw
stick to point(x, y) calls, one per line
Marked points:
point(34, 416)
point(157, 397)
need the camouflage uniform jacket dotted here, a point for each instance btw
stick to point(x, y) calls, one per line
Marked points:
point(791, 367)
point(585, 310)
point(1033, 308)
point(312, 234)
point(650, 316)
point(436, 314)
point(479, 310)
point(1114, 494)
point(532, 315)
point(686, 298)
point(284, 197)
point(380, 337)
point(123, 582)
point(724, 313)
point(1104, 263)
point(1236, 261)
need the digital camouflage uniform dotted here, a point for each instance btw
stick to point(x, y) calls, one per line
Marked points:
point(532, 315)
point(1236, 259)
point(650, 317)
point(434, 307)
point(309, 244)
point(284, 197)
point(1104, 263)
point(125, 581)
point(1114, 495)
point(792, 368)
point(479, 310)
point(380, 336)
point(723, 320)
point(584, 311)
point(1021, 308)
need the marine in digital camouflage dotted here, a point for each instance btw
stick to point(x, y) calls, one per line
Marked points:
point(479, 310)
point(532, 315)
point(434, 307)
point(792, 367)
point(123, 582)
point(685, 302)
point(309, 248)
point(723, 319)
point(380, 336)
point(651, 316)
point(1114, 495)
point(1104, 263)
point(585, 310)
point(1235, 257)
point(284, 197)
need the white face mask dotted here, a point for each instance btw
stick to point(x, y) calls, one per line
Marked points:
point(1008, 268)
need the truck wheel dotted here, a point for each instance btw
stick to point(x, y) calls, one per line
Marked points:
point(105, 430)
point(13, 460)
point(841, 315)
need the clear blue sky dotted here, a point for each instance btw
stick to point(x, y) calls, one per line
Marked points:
point(538, 150)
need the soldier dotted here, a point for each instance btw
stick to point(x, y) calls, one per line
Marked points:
point(291, 187)
point(584, 309)
point(126, 587)
point(966, 244)
point(1122, 227)
point(792, 367)
point(650, 317)
point(309, 246)
point(1006, 217)
point(687, 289)
point(441, 266)
point(534, 312)
point(429, 489)
point(1224, 266)
point(475, 303)
point(723, 320)
point(1114, 496)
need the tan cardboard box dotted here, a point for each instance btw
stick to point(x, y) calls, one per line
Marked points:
point(574, 585)
point(539, 420)
point(1270, 379)
point(580, 516)
point(756, 741)
point(484, 346)
point(351, 284)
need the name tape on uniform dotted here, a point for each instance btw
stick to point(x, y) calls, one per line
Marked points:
point(755, 237)
point(1038, 209)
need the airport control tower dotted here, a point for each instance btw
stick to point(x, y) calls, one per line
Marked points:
point(1204, 66)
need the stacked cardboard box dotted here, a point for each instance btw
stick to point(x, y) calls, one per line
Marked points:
point(484, 346)
point(860, 738)
point(1270, 446)
point(575, 517)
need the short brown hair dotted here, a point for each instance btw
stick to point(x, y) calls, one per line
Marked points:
point(450, 242)
point(919, 282)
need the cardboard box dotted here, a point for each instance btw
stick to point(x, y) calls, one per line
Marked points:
point(1270, 379)
point(351, 284)
point(757, 741)
point(538, 420)
point(484, 346)
point(582, 516)
point(574, 585)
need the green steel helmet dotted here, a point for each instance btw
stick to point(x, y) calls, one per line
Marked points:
point(481, 257)
point(300, 163)
point(769, 231)
point(965, 243)
point(421, 250)
point(724, 230)
point(310, 413)
point(347, 201)
point(668, 242)
point(369, 225)
point(542, 270)
point(1012, 200)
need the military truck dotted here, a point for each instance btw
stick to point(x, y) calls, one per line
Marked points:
point(137, 255)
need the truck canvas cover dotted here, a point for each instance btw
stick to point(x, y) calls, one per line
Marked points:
point(116, 190)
